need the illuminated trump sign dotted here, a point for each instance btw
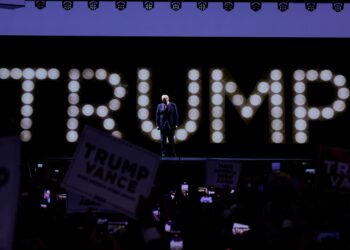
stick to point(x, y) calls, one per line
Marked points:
point(223, 90)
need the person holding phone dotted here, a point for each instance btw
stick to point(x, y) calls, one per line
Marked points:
point(167, 120)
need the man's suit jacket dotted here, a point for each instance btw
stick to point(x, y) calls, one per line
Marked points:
point(167, 119)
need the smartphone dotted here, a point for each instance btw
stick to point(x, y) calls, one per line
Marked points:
point(156, 213)
point(45, 199)
point(310, 171)
point(168, 225)
point(47, 196)
point(184, 189)
point(238, 228)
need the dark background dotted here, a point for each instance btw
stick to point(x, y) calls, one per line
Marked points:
point(248, 61)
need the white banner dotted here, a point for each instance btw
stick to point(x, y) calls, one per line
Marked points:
point(222, 173)
point(110, 170)
point(9, 189)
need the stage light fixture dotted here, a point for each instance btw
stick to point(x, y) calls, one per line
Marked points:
point(255, 6)
point(120, 5)
point(40, 4)
point(148, 5)
point(175, 5)
point(93, 4)
point(228, 5)
point(202, 5)
point(338, 7)
point(67, 4)
point(310, 6)
point(283, 6)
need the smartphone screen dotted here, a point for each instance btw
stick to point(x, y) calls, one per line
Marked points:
point(184, 189)
point(47, 195)
point(167, 227)
point(238, 228)
point(310, 171)
point(45, 199)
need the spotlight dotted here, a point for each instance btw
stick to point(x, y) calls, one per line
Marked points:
point(310, 6)
point(175, 5)
point(40, 4)
point(120, 5)
point(202, 5)
point(148, 5)
point(228, 5)
point(255, 6)
point(283, 6)
point(67, 4)
point(93, 4)
point(337, 7)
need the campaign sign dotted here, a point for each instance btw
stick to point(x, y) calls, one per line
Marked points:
point(110, 170)
point(334, 172)
point(9, 189)
point(222, 173)
point(80, 204)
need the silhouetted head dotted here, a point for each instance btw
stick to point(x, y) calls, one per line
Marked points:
point(165, 99)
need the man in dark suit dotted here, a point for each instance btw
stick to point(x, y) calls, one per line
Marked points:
point(167, 121)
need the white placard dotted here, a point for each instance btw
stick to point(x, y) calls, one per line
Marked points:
point(110, 170)
point(222, 173)
point(80, 204)
point(9, 189)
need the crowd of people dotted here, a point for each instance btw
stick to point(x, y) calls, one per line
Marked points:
point(281, 209)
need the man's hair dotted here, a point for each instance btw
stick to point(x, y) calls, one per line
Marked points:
point(165, 96)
